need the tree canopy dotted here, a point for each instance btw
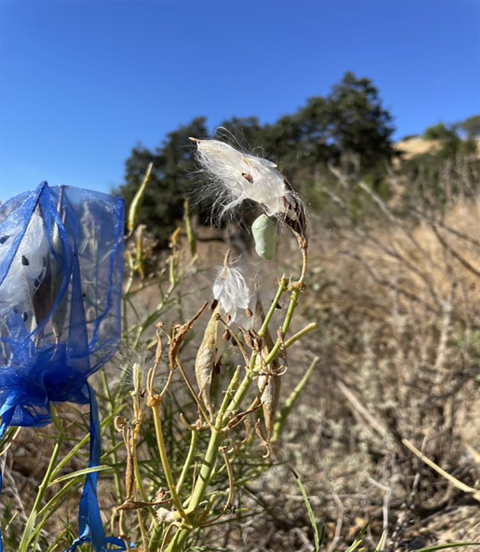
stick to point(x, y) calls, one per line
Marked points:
point(471, 126)
point(349, 122)
point(173, 171)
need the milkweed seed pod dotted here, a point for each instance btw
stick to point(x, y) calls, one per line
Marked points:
point(233, 177)
point(264, 232)
point(165, 516)
point(27, 269)
point(295, 215)
point(271, 385)
point(207, 357)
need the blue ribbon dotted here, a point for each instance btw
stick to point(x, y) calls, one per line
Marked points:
point(90, 521)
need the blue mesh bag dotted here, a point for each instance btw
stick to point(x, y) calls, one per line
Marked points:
point(61, 268)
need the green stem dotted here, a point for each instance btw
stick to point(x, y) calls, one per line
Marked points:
point(290, 402)
point(29, 531)
point(310, 328)
point(172, 272)
point(203, 480)
point(138, 480)
point(111, 407)
point(251, 374)
point(55, 499)
point(217, 435)
point(139, 484)
point(188, 461)
point(228, 397)
point(125, 297)
point(282, 288)
point(206, 469)
point(51, 506)
point(158, 533)
point(286, 325)
point(189, 228)
point(82, 443)
point(164, 459)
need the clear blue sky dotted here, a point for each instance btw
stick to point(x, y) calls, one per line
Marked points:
point(81, 82)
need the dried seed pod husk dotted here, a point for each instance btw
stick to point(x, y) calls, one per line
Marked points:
point(165, 516)
point(295, 216)
point(206, 359)
point(270, 384)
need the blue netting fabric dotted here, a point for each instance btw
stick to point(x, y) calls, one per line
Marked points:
point(61, 267)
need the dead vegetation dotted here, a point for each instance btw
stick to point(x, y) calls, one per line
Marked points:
point(396, 294)
point(419, 146)
point(397, 302)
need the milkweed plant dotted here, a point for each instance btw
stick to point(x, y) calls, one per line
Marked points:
point(190, 411)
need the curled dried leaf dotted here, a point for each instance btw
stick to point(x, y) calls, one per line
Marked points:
point(179, 333)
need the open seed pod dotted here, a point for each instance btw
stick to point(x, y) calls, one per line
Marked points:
point(207, 356)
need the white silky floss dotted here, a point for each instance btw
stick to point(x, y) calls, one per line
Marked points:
point(28, 268)
point(231, 290)
point(238, 176)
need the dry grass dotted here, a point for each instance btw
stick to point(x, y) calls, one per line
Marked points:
point(398, 304)
point(419, 146)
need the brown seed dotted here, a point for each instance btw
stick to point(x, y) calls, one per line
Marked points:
point(249, 339)
point(226, 335)
point(248, 177)
point(249, 313)
point(217, 366)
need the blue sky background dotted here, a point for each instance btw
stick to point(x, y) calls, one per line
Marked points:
point(81, 82)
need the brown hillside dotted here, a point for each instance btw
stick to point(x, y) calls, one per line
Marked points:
point(418, 146)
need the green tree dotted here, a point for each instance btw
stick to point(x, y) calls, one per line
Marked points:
point(358, 122)
point(440, 132)
point(350, 120)
point(471, 126)
point(172, 176)
point(451, 141)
